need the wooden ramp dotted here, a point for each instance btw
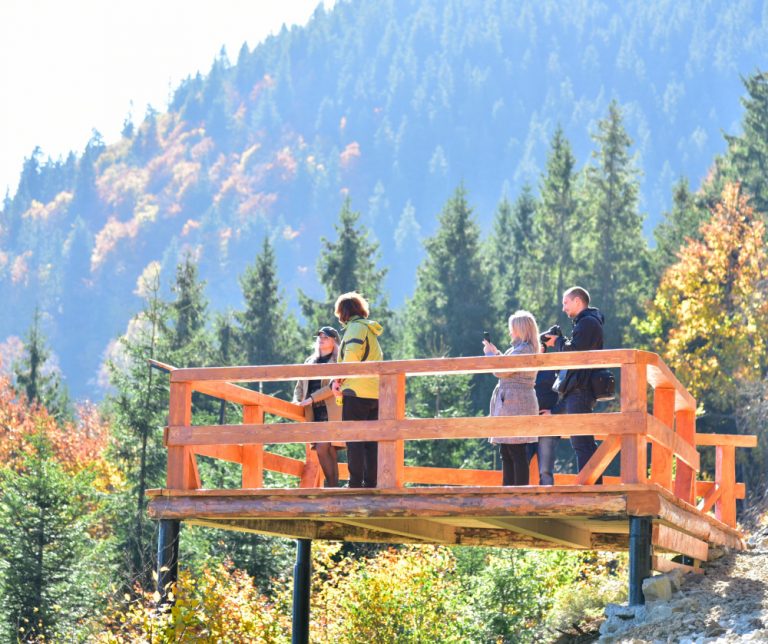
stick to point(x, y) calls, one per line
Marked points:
point(676, 509)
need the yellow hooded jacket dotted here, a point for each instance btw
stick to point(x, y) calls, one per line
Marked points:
point(361, 344)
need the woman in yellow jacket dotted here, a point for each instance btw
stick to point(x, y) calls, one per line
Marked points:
point(360, 395)
point(317, 395)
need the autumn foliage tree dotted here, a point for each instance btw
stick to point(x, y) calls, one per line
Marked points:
point(709, 319)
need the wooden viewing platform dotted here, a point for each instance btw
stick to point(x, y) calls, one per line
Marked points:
point(660, 504)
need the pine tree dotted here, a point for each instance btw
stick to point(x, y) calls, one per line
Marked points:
point(747, 157)
point(267, 333)
point(452, 302)
point(550, 268)
point(507, 252)
point(188, 312)
point(138, 410)
point(612, 260)
point(52, 571)
point(680, 224)
point(348, 264)
point(36, 378)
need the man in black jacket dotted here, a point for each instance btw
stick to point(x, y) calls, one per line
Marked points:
point(576, 395)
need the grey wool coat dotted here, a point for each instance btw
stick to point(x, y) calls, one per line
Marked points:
point(514, 395)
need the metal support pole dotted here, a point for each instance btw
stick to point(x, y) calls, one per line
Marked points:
point(301, 588)
point(167, 556)
point(640, 529)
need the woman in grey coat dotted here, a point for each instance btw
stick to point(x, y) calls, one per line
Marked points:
point(514, 395)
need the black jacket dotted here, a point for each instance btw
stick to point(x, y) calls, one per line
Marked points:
point(587, 336)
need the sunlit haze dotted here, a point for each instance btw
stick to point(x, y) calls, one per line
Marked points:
point(67, 68)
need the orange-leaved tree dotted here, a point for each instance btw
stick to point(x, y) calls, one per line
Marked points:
point(709, 319)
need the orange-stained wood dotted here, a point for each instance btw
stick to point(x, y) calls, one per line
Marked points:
point(179, 474)
point(685, 476)
point(634, 386)
point(661, 455)
point(735, 440)
point(241, 395)
point(253, 455)
point(710, 498)
point(725, 479)
point(683, 450)
point(410, 429)
point(634, 459)
point(601, 459)
point(391, 453)
point(672, 540)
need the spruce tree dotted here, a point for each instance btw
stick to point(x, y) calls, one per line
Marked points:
point(747, 157)
point(138, 410)
point(452, 302)
point(267, 333)
point(35, 377)
point(612, 261)
point(52, 569)
point(188, 311)
point(348, 264)
point(507, 252)
point(550, 267)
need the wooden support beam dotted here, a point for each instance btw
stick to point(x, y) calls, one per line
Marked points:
point(601, 459)
point(634, 387)
point(662, 564)
point(685, 476)
point(704, 487)
point(710, 498)
point(725, 479)
point(661, 455)
point(661, 435)
point(410, 429)
point(252, 455)
point(736, 440)
point(283, 464)
point(660, 376)
point(179, 473)
point(423, 529)
point(634, 458)
point(312, 473)
point(552, 530)
point(231, 453)
point(242, 396)
point(672, 540)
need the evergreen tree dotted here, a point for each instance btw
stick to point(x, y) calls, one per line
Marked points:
point(268, 334)
point(138, 410)
point(188, 313)
point(452, 302)
point(680, 224)
point(348, 264)
point(508, 251)
point(35, 377)
point(550, 268)
point(747, 157)
point(52, 570)
point(612, 261)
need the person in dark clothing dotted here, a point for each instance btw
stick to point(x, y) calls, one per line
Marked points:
point(576, 395)
point(546, 446)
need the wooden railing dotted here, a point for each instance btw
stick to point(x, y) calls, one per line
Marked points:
point(670, 429)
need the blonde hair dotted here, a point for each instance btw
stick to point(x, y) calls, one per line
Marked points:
point(523, 325)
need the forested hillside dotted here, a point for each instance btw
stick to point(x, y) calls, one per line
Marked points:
point(391, 104)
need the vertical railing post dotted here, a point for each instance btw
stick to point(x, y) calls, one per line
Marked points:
point(634, 398)
point(182, 468)
point(640, 531)
point(685, 477)
point(252, 455)
point(661, 457)
point(391, 466)
point(725, 479)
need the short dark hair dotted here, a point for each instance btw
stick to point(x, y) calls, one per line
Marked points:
point(578, 291)
point(348, 305)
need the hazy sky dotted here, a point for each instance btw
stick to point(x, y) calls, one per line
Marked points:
point(69, 67)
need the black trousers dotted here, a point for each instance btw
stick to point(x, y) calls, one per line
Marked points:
point(514, 464)
point(362, 457)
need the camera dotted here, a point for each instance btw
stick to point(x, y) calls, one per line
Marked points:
point(553, 330)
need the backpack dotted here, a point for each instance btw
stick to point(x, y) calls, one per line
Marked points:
point(603, 384)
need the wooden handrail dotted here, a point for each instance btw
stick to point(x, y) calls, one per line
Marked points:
point(670, 429)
